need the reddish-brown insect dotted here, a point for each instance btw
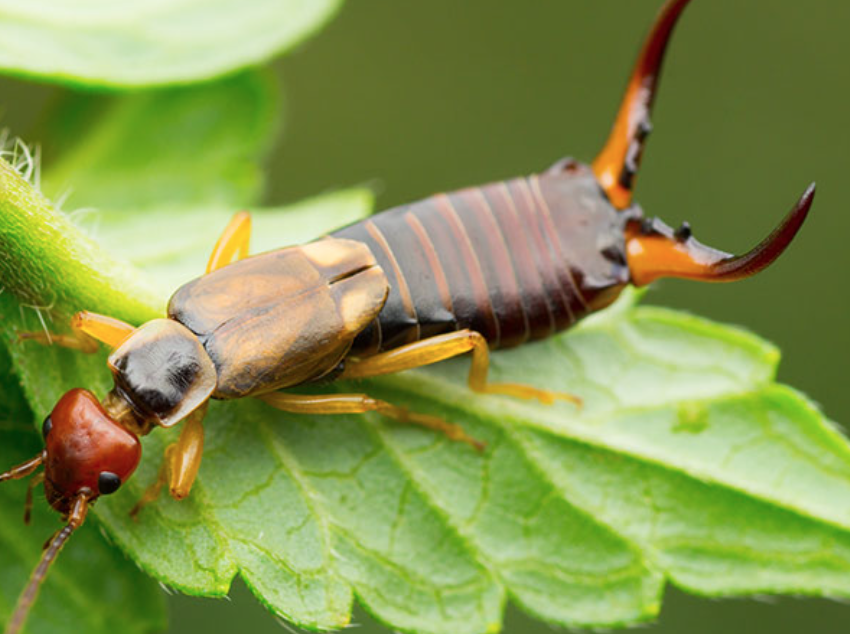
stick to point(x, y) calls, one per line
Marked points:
point(482, 268)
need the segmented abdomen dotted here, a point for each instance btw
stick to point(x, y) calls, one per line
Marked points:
point(499, 259)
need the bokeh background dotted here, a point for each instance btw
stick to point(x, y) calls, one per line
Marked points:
point(411, 98)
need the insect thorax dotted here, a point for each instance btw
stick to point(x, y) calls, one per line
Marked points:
point(163, 371)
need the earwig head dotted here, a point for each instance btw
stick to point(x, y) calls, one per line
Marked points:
point(87, 452)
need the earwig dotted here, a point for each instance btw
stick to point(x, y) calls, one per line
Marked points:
point(471, 271)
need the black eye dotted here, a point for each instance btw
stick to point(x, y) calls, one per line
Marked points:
point(46, 426)
point(108, 483)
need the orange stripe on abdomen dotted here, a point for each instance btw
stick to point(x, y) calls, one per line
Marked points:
point(472, 264)
point(502, 284)
point(400, 281)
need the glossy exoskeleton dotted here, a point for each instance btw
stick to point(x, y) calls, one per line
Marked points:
point(477, 269)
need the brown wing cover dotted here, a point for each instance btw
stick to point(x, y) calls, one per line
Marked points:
point(282, 318)
point(516, 261)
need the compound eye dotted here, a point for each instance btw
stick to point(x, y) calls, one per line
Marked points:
point(108, 482)
point(46, 426)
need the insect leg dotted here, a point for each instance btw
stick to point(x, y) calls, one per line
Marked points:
point(86, 330)
point(360, 403)
point(186, 458)
point(180, 463)
point(24, 469)
point(442, 347)
point(152, 492)
point(233, 242)
point(38, 479)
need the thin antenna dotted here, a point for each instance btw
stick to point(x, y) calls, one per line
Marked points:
point(75, 519)
point(37, 479)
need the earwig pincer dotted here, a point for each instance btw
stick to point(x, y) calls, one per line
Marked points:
point(478, 269)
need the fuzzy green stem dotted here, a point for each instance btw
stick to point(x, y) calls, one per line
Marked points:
point(48, 262)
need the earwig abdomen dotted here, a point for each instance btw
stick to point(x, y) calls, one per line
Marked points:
point(515, 260)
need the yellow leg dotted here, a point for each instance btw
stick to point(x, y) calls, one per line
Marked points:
point(360, 403)
point(180, 463)
point(86, 330)
point(443, 347)
point(186, 459)
point(233, 243)
point(152, 492)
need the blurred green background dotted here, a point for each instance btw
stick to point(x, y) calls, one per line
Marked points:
point(412, 98)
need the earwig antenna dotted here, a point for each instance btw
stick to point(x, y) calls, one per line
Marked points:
point(617, 164)
point(37, 479)
point(75, 519)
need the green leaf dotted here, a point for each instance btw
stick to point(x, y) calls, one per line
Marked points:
point(50, 264)
point(136, 43)
point(125, 155)
point(92, 588)
point(688, 464)
point(195, 146)
point(175, 256)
